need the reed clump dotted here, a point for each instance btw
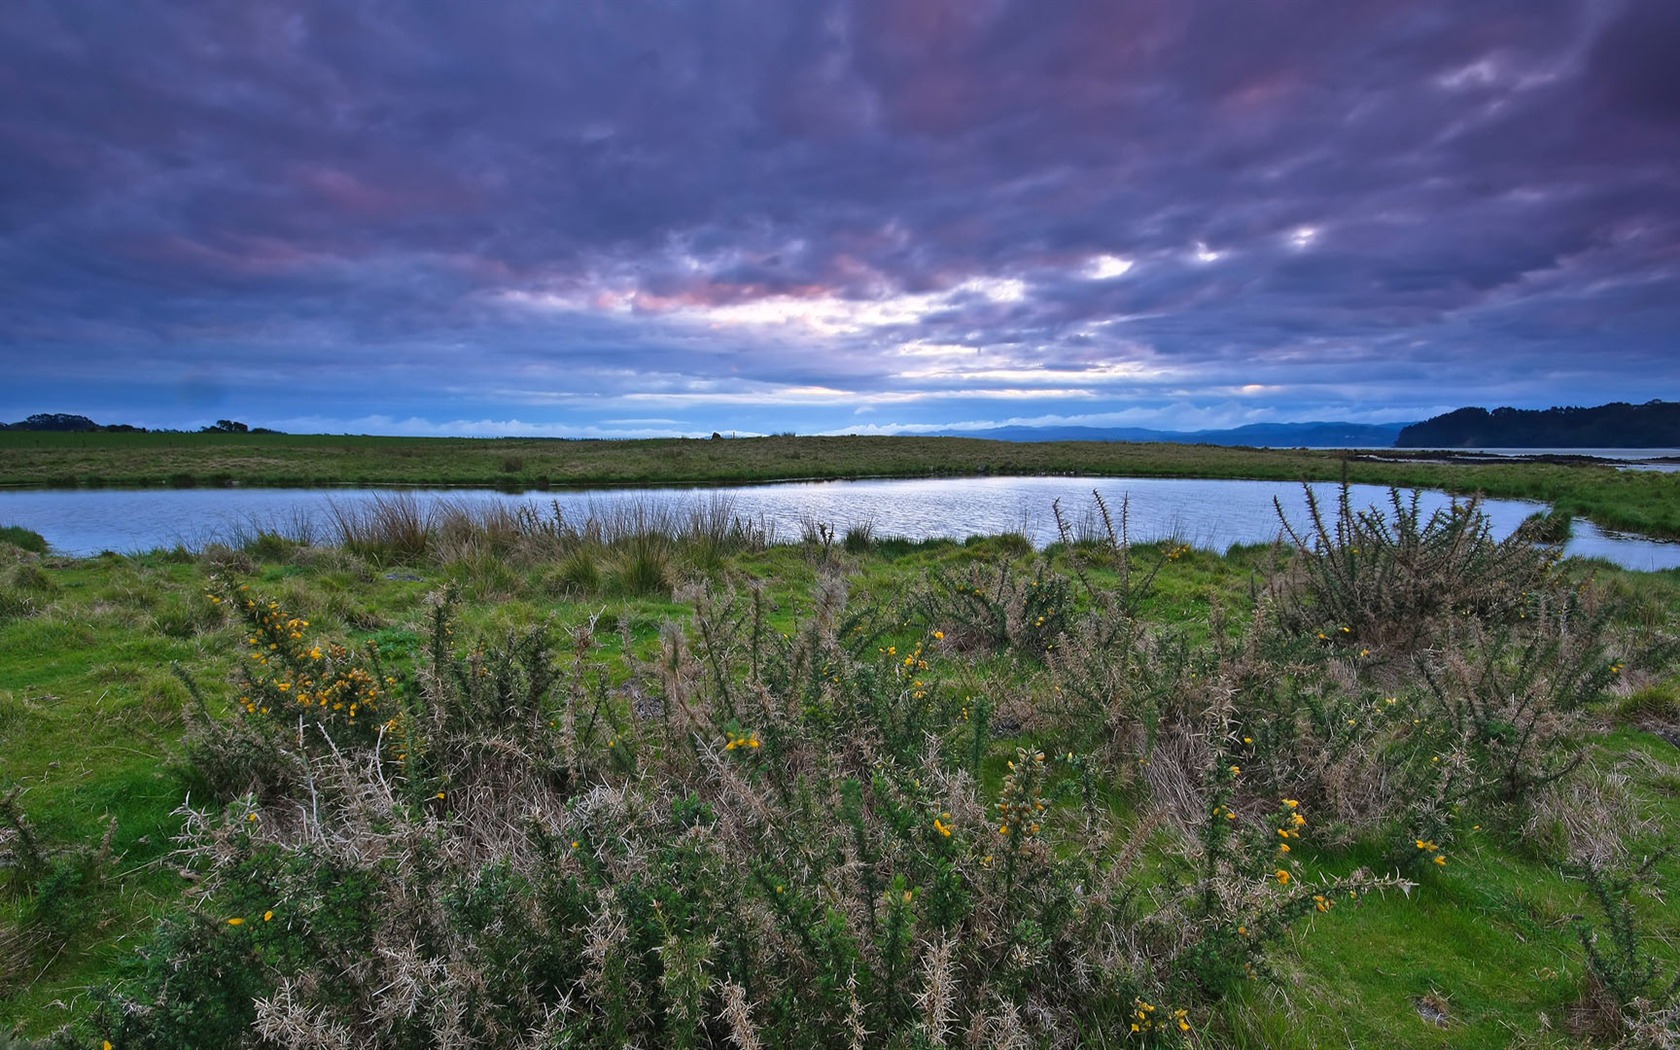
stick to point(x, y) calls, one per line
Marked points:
point(635, 549)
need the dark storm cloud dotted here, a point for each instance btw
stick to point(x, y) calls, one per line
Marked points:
point(585, 211)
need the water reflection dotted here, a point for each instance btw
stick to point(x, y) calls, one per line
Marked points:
point(1212, 514)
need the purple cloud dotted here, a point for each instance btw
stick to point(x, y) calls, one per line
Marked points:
point(815, 216)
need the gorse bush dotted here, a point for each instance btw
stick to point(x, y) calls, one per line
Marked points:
point(1369, 579)
point(996, 608)
point(1619, 962)
point(44, 884)
point(297, 695)
point(1399, 667)
point(789, 838)
point(1631, 992)
point(1386, 729)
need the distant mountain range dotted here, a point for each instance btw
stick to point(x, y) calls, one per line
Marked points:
point(1655, 424)
point(1280, 435)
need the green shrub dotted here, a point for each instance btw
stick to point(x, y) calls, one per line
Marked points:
point(993, 607)
point(1372, 580)
point(784, 841)
point(179, 615)
point(268, 545)
point(1629, 989)
point(484, 575)
point(1657, 705)
point(28, 576)
point(1549, 527)
point(859, 538)
point(388, 529)
point(198, 982)
point(642, 566)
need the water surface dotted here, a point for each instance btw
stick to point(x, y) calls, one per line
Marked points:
point(1212, 514)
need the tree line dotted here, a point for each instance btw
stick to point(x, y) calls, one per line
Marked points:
point(1655, 424)
point(64, 422)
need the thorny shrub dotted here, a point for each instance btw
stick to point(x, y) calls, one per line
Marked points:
point(1387, 729)
point(1371, 579)
point(1630, 992)
point(757, 839)
point(1401, 668)
point(999, 608)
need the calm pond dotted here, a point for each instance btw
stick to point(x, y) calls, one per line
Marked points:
point(1210, 514)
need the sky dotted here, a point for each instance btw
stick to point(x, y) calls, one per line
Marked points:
point(628, 219)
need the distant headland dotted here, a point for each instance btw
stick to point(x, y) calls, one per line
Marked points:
point(1655, 424)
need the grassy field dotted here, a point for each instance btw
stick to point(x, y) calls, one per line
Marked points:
point(1638, 501)
point(509, 785)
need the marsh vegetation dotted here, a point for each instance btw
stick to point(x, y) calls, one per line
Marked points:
point(1638, 501)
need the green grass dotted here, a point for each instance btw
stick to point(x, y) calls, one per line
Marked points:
point(24, 539)
point(91, 731)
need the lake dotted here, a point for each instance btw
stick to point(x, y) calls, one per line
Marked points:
point(1212, 514)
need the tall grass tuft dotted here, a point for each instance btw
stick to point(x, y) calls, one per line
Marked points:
point(24, 539)
point(642, 565)
point(389, 528)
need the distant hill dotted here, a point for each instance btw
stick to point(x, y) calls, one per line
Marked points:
point(1655, 424)
point(1283, 435)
